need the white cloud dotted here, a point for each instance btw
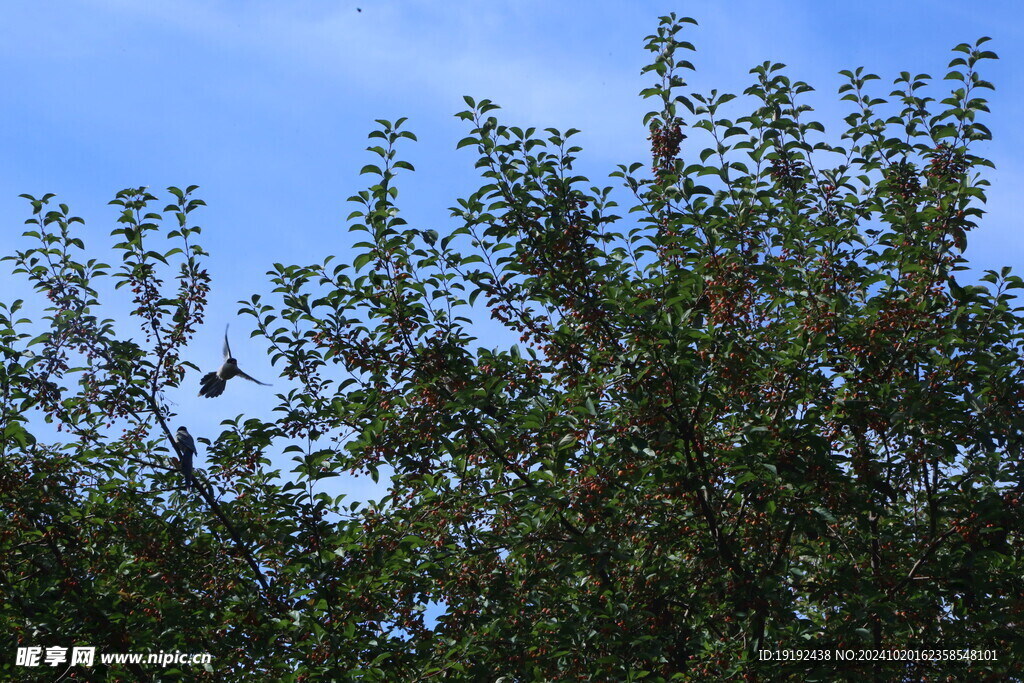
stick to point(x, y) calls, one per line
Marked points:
point(427, 53)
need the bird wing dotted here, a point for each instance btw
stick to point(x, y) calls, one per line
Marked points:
point(227, 347)
point(242, 374)
point(186, 442)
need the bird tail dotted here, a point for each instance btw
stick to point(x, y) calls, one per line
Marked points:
point(211, 385)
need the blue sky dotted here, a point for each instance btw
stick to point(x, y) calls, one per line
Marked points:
point(266, 106)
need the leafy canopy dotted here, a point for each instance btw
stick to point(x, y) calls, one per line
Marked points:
point(757, 411)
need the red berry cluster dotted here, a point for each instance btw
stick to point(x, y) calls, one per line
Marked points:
point(665, 141)
point(903, 178)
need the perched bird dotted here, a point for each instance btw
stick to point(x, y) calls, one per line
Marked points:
point(213, 382)
point(187, 449)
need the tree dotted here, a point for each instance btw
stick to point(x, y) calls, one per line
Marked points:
point(759, 412)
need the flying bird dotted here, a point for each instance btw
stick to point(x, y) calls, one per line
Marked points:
point(187, 449)
point(213, 382)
